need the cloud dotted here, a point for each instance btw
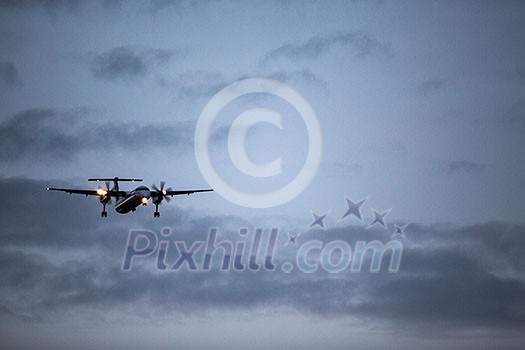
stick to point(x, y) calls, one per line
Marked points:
point(342, 169)
point(509, 118)
point(8, 74)
point(73, 6)
point(428, 86)
point(362, 45)
point(463, 166)
point(43, 134)
point(63, 259)
point(43, 3)
point(124, 63)
point(298, 76)
point(200, 84)
point(178, 5)
point(64, 220)
point(73, 221)
point(520, 73)
point(195, 84)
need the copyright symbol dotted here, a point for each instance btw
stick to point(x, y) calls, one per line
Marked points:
point(237, 137)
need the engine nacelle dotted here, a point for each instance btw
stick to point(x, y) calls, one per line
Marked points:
point(156, 200)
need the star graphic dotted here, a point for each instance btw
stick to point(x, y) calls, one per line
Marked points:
point(353, 208)
point(379, 218)
point(292, 239)
point(399, 230)
point(318, 219)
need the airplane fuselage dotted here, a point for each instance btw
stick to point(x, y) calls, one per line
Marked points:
point(132, 200)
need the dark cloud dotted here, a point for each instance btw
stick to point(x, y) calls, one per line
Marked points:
point(392, 147)
point(463, 166)
point(451, 279)
point(514, 117)
point(298, 76)
point(342, 170)
point(520, 73)
point(8, 74)
point(33, 133)
point(195, 84)
point(199, 84)
point(119, 63)
point(509, 118)
point(124, 63)
point(177, 5)
point(34, 235)
point(429, 86)
point(63, 220)
point(451, 287)
point(361, 44)
point(73, 6)
point(67, 218)
point(160, 56)
point(43, 134)
point(43, 3)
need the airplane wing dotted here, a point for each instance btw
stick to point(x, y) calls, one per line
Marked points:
point(89, 192)
point(172, 193)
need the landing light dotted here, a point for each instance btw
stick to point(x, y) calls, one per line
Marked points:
point(144, 200)
point(164, 192)
point(102, 192)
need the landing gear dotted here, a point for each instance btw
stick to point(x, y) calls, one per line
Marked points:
point(104, 213)
point(158, 195)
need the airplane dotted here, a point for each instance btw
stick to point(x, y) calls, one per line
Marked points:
point(127, 201)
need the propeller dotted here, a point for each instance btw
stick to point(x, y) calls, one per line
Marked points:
point(161, 193)
point(102, 193)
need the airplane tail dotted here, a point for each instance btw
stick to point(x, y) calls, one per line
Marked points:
point(115, 181)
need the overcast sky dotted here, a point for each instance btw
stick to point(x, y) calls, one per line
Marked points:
point(421, 107)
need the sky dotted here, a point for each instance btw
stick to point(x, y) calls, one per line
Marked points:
point(420, 108)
